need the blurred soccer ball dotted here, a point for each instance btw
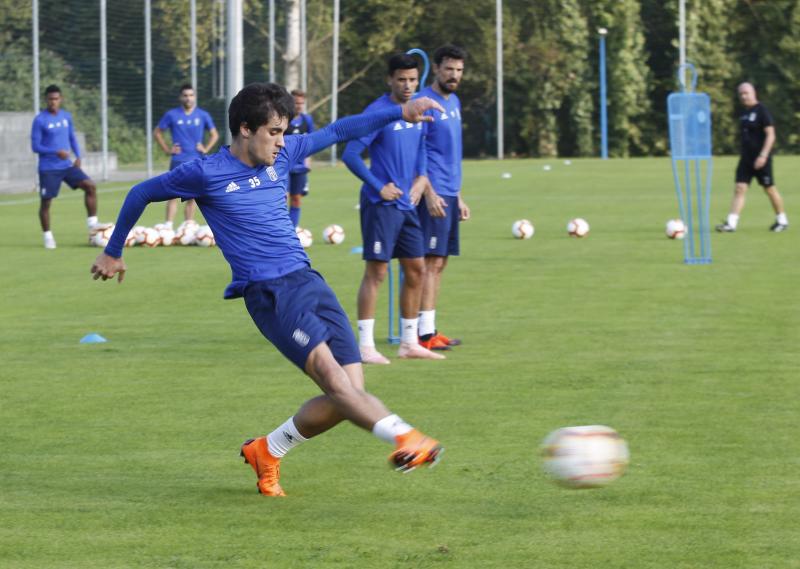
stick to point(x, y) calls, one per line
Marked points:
point(522, 229)
point(100, 237)
point(204, 237)
point(305, 236)
point(167, 237)
point(130, 240)
point(185, 233)
point(138, 233)
point(152, 238)
point(333, 234)
point(676, 229)
point(585, 457)
point(578, 227)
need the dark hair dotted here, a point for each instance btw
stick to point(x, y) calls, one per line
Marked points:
point(449, 51)
point(402, 61)
point(186, 86)
point(52, 89)
point(298, 93)
point(256, 104)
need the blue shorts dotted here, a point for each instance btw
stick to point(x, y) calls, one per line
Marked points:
point(298, 183)
point(390, 233)
point(299, 311)
point(441, 233)
point(50, 180)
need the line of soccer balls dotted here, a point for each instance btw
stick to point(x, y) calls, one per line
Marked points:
point(188, 233)
point(579, 227)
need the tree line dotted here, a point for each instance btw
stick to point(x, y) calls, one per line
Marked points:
point(550, 52)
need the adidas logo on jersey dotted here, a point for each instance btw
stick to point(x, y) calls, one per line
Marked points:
point(232, 187)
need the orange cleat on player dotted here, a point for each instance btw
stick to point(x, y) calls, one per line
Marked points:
point(445, 340)
point(267, 467)
point(415, 449)
point(434, 343)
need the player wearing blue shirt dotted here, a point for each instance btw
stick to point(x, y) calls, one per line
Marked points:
point(301, 123)
point(52, 138)
point(389, 224)
point(241, 191)
point(442, 207)
point(187, 126)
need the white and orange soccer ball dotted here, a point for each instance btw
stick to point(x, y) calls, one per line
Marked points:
point(130, 240)
point(333, 234)
point(185, 233)
point(585, 457)
point(204, 237)
point(167, 236)
point(522, 229)
point(138, 234)
point(676, 229)
point(578, 227)
point(152, 238)
point(305, 236)
point(100, 238)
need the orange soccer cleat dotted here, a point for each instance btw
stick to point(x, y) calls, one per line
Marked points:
point(267, 467)
point(413, 450)
point(445, 340)
point(434, 342)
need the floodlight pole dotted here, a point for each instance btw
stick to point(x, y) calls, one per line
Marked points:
point(682, 35)
point(272, 41)
point(148, 88)
point(35, 34)
point(104, 85)
point(335, 79)
point(193, 42)
point(499, 41)
point(235, 61)
point(603, 104)
point(303, 49)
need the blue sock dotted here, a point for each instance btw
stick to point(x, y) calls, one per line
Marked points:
point(294, 215)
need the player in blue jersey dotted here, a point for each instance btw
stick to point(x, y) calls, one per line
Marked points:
point(301, 123)
point(52, 138)
point(241, 191)
point(389, 224)
point(442, 207)
point(187, 125)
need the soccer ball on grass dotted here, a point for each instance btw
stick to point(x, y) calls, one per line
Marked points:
point(333, 234)
point(676, 229)
point(522, 229)
point(578, 227)
point(585, 457)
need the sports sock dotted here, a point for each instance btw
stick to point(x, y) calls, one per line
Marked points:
point(733, 220)
point(168, 224)
point(284, 438)
point(782, 219)
point(390, 427)
point(366, 336)
point(48, 234)
point(427, 322)
point(91, 221)
point(408, 330)
point(294, 215)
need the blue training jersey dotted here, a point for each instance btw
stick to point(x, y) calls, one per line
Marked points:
point(443, 145)
point(245, 206)
point(301, 124)
point(393, 153)
point(51, 133)
point(186, 130)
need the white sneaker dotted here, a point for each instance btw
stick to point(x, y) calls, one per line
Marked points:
point(417, 352)
point(49, 242)
point(98, 227)
point(162, 226)
point(369, 355)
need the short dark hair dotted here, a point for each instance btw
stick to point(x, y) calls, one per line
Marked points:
point(449, 51)
point(298, 93)
point(52, 89)
point(186, 86)
point(402, 61)
point(256, 103)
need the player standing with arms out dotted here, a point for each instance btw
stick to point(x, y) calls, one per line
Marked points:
point(187, 125)
point(442, 207)
point(241, 191)
point(301, 123)
point(389, 224)
point(52, 138)
point(758, 137)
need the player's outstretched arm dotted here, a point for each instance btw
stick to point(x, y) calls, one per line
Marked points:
point(106, 267)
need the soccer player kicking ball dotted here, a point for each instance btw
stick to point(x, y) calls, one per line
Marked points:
point(389, 224)
point(290, 303)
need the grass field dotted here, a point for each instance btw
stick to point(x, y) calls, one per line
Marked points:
point(125, 454)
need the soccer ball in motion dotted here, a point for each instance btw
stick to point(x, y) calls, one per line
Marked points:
point(204, 237)
point(522, 229)
point(333, 234)
point(676, 229)
point(578, 227)
point(305, 236)
point(585, 457)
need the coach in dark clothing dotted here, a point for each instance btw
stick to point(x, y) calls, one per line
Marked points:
point(758, 137)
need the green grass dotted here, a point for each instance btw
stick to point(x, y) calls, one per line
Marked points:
point(125, 454)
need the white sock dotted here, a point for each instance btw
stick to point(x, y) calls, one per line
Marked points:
point(91, 221)
point(48, 235)
point(782, 219)
point(733, 220)
point(408, 330)
point(366, 335)
point(284, 438)
point(168, 224)
point(427, 322)
point(390, 427)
